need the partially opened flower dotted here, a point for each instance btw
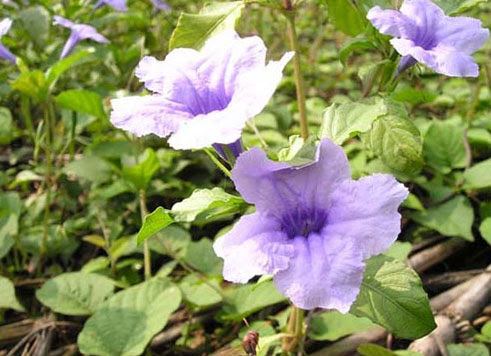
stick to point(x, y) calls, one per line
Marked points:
point(5, 25)
point(79, 32)
point(119, 5)
point(313, 227)
point(424, 34)
point(160, 5)
point(204, 97)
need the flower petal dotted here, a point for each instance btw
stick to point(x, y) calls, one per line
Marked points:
point(61, 21)
point(5, 25)
point(254, 89)
point(325, 272)
point(89, 32)
point(462, 34)
point(72, 41)
point(6, 54)
point(365, 211)
point(254, 246)
point(147, 114)
point(275, 187)
point(424, 13)
point(391, 22)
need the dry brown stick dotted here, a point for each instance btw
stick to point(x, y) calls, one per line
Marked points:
point(429, 257)
point(350, 344)
point(464, 307)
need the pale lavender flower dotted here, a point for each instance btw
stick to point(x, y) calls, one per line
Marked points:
point(79, 32)
point(424, 34)
point(160, 5)
point(313, 227)
point(5, 25)
point(11, 3)
point(204, 97)
point(119, 5)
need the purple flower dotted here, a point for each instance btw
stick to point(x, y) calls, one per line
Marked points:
point(424, 34)
point(160, 5)
point(313, 227)
point(119, 5)
point(79, 32)
point(204, 97)
point(5, 25)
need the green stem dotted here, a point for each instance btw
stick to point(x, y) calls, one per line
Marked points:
point(294, 330)
point(292, 35)
point(72, 135)
point(47, 177)
point(25, 107)
point(146, 250)
point(218, 163)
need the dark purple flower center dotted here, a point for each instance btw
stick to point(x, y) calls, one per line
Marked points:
point(425, 38)
point(302, 222)
point(204, 103)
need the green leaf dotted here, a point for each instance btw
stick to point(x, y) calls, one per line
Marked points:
point(346, 17)
point(206, 205)
point(342, 121)
point(453, 218)
point(444, 145)
point(8, 300)
point(192, 31)
point(198, 292)
point(200, 256)
point(397, 142)
point(485, 335)
point(333, 325)
point(248, 299)
point(91, 168)
point(6, 126)
point(126, 323)
point(392, 296)
point(153, 223)
point(485, 230)
point(413, 202)
point(414, 96)
point(36, 21)
point(478, 176)
point(60, 67)
point(354, 45)
point(374, 350)
point(452, 7)
point(467, 350)
point(399, 250)
point(141, 174)
point(32, 84)
point(75, 293)
point(10, 209)
point(81, 100)
point(173, 240)
point(299, 152)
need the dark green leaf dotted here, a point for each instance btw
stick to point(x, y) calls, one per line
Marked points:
point(91, 168)
point(333, 325)
point(200, 256)
point(75, 293)
point(125, 323)
point(354, 45)
point(392, 296)
point(453, 218)
point(153, 223)
point(141, 174)
point(8, 300)
point(36, 21)
point(81, 100)
point(6, 126)
point(346, 16)
point(192, 31)
point(206, 205)
point(467, 350)
point(248, 299)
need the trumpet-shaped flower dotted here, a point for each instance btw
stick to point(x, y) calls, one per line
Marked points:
point(160, 5)
point(204, 97)
point(422, 33)
point(5, 25)
point(79, 32)
point(119, 5)
point(313, 227)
